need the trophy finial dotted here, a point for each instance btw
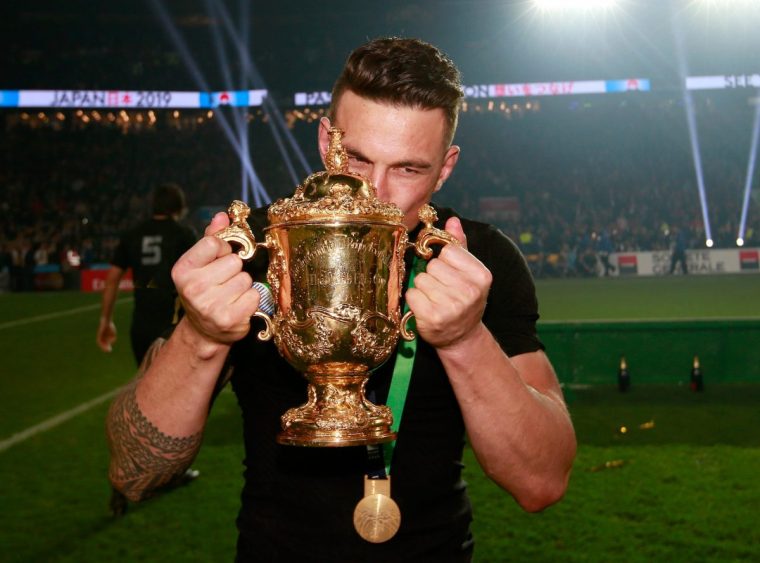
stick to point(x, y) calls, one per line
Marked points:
point(336, 158)
point(238, 231)
point(430, 234)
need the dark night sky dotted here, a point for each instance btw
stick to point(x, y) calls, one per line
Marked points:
point(300, 45)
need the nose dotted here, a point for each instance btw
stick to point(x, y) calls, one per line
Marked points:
point(379, 179)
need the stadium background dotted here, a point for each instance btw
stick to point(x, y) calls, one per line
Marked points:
point(678, 483)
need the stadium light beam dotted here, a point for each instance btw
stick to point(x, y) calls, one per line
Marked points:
point(187, 58)
point(244, 14)
point(250, 182)
point(240, 126)
point(697, 157)
point(252, 72)
point(221, 52)
point(179, 43)
point(748, 181)
point(269, 108)
point(691, 121)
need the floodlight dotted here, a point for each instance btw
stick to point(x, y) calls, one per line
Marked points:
point(573, 4)
point(726, 3)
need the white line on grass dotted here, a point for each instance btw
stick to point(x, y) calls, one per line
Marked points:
point(55, 421)
point(71, 413)
point(66, 313)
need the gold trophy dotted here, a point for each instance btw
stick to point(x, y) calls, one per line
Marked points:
point(336, 268)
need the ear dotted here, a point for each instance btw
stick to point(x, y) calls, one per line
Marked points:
point(449, 162)
point(323, 137)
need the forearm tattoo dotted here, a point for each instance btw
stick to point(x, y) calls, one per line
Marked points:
point(143, 458)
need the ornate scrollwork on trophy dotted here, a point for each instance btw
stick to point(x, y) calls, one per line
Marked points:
point(278, 265)
point(374, 337)
point(341, 409)
point(291, 335)
point(337, 408)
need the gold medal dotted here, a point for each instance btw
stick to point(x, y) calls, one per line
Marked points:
point(377, 517)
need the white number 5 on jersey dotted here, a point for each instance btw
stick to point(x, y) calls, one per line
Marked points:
point(151, 251)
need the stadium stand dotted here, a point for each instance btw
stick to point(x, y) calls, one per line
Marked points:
point(615, 172)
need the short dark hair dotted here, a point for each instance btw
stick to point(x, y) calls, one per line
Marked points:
point(168, 199)
point(405, 72)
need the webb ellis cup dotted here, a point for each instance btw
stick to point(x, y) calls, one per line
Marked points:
point(336, 268)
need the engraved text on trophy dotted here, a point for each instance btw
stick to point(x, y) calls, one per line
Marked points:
point(341, 316)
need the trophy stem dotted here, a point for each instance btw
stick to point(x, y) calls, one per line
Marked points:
point(337, 413)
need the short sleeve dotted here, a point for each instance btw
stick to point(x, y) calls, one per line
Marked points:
point(512, 310)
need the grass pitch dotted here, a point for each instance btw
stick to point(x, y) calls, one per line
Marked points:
point(680, 488)
point(645, 298)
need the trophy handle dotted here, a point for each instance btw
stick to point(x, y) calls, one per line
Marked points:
point(407, 335)
point(268, 332)
point(239, 233)
point(429, 234)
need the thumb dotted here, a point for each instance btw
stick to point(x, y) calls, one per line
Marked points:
point(218, 222)
point(454, 228)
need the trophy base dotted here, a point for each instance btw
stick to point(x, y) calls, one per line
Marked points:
point(336, 414)
point(305, 437)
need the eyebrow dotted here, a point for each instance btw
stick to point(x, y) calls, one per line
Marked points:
point(421, 164)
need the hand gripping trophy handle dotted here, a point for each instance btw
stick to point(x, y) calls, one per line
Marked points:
point(240, 234)
point(427, 236)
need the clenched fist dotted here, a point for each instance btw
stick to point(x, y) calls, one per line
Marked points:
point(215, 291)
point(449, 298)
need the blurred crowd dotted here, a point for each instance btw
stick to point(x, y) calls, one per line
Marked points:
point(68, 192)
point(570, 182)
point(591, 178)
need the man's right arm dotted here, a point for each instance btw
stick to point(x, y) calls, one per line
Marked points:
point(156, 423)
point(143, 458)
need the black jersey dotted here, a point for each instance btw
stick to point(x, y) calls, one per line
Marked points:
point(310, 493)
point(150, 249)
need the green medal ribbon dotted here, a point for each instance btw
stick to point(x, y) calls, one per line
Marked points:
point(402, 372)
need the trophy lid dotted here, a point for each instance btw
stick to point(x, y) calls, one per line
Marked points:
point(334, 195)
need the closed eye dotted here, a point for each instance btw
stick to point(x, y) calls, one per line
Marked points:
point(358, 158)
point(413, 167)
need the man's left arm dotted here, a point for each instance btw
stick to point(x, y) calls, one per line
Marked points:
point(516, 419)
point(106, 333)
